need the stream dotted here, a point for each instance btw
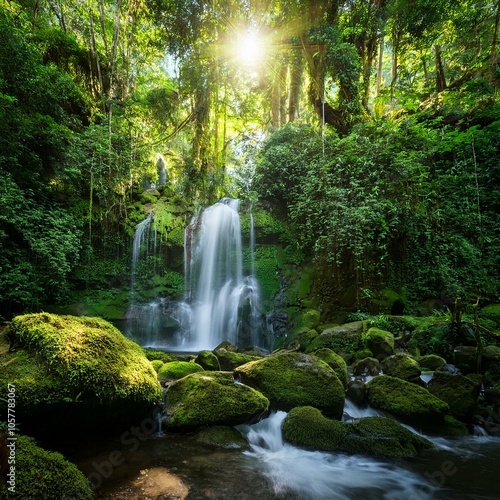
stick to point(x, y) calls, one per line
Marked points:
point(176, 466)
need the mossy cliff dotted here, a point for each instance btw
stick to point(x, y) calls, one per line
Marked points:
point(77, 367)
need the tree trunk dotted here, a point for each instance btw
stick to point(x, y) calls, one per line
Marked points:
point(296, 70)
point(440, 76)
point(494, 43)
point(380, 65)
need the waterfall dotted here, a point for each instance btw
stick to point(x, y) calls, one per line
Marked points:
point(141, 236)
point(223, 302)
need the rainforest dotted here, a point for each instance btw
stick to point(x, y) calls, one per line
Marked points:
point(263, 234)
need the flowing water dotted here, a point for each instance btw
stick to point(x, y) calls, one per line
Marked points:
point(458, 469)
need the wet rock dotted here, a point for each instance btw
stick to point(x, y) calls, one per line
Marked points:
point(334, 361)
point(366, 367)
point(356, 391)
point(465, 358)
point(458, 391)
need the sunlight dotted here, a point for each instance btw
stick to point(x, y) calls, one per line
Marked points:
point(250, 48)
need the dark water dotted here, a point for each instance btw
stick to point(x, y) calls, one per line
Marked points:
point(176, 466)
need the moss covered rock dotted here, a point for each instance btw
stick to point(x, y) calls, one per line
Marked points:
point(42, 474)
point(175, 370)
point(211, 398)
point(310, 318)
point(380, 342)
point(431, 362)
point(491, 361)
point(295, 379)
point(208, 360)
point(334, 361)
point(366, 367)
point(491, 312)
point(222, 436)
point(458, 391)
point(344, 339)
point(408, 402)
point(300, 338)
point(230, 360)
point(77, 368)
point(157, 364)
point(402, 366)
point(465, 358)
point(306, 426)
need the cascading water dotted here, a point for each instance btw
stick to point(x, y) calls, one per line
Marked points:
point(302, 474)
point(224, 303)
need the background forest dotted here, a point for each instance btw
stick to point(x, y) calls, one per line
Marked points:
point(367, 130)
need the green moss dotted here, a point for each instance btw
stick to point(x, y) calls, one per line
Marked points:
point(300, 337)
point(406, 401)
point(175, 370)
point(344, 340)
point(335, 362)
point(431, 362)
point(491, 312)
point(432, 336)
point(266, 261)
point(310, 318)
point(402, 366)
point(295, 379)
point(41, 474)
point(208, 360)
point(152, 354)
point(157, 364)
point(380, 342)
point(77, 364)
point(458, 391)
point(211, 398)
point(222, 437)
point(230, 360)
point(380, 436)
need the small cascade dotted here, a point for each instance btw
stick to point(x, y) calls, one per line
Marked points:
point(224, 304)
point(298, 473)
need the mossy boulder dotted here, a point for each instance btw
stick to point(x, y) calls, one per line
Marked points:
point(458, 391)
point(345, 339)
point(406, 401)
point(367, 367)
point(491, 361)
point(310, 318)
point(431, 362)
point(229, 360)
point(211, 398)
point(157, 364)
point(222, 436)
point(175, 370)
point(402, 366)
point(295, 379)
point(76, 371)
point(335, 362)
point(42, 474)
point(165, 357)
point(300, 338)
point(208, 360)
point(307, 427)
point(491, 312)
point(380, 342)
point(465, 358)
